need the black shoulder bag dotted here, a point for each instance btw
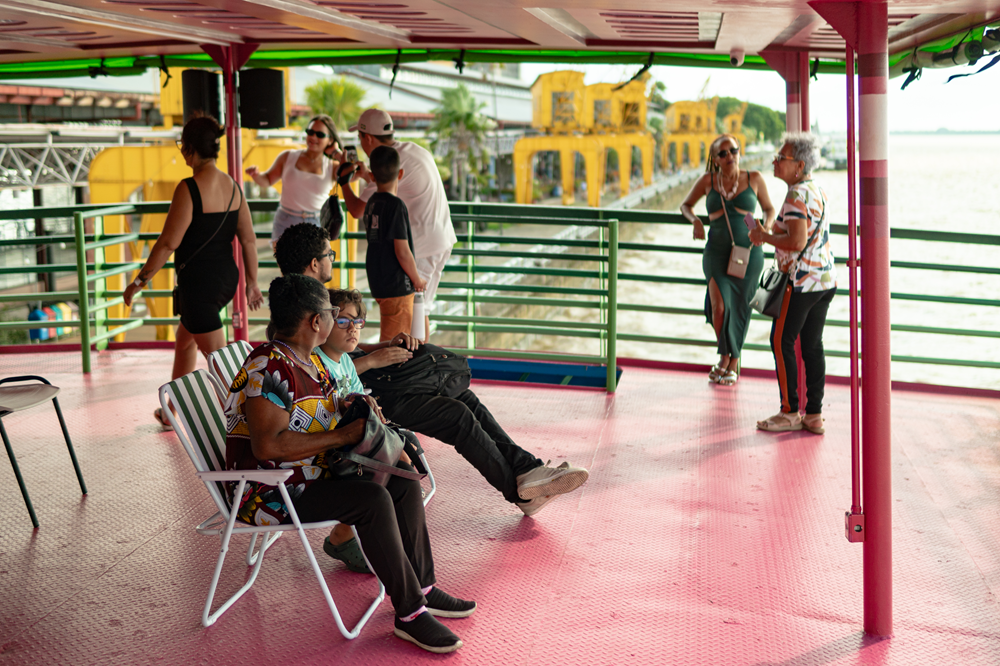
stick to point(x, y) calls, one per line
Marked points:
point(774, 283)
point(178, 302)
point(376, 455)
point(431, 371)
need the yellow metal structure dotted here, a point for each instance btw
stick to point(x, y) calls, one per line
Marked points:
point(590, 120)
point(733, 124)
point(689, 131)
point(590, 146)
point(152, 173)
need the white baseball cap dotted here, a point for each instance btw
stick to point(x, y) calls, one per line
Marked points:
point(373, 121)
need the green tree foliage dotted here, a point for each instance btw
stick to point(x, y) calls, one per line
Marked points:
point(341, 98)
point(767, 124)
point(461, 126)
point(656, 98)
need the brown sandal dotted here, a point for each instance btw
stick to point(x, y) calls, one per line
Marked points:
point(781, 422)
point(814, 423)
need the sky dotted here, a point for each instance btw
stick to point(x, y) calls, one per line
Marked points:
point(967, 104)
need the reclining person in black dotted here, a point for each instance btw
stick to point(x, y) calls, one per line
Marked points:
point(456, 418)
point(461, 421)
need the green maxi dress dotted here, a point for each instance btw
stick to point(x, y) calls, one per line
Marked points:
point(736, 293)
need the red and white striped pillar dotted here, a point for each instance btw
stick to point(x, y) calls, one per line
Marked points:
point(876, 384)
point(793, 96)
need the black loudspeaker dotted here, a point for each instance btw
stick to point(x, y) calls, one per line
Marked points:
point(262, 98)
point(200, 89)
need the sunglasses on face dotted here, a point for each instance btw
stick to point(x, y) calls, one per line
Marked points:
point(345, 322)
point(778, 157)
point(732, 151)
point(318, 135)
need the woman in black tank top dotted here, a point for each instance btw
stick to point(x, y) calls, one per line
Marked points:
point(201, 242)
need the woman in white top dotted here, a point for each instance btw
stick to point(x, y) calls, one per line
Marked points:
point(308, 176)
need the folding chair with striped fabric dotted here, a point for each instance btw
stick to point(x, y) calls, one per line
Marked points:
point(224, 364)
point(201, 427)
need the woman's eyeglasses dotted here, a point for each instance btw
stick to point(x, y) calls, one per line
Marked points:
point(333, 311)
point(345, 322)
point(318, 135)
point(732, 151)
point(778, 157)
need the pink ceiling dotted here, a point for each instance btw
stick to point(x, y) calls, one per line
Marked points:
point(45, 29)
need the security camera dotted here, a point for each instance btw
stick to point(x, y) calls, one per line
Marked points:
point(736, 57)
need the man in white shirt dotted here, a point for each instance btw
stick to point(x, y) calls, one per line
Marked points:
point(421, 190)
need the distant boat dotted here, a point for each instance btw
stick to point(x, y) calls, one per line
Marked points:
point(833, 154)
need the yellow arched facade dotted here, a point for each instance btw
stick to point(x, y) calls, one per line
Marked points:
point(590, 120)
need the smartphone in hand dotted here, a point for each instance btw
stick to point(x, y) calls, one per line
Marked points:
point(750, 222)
point(350, 154)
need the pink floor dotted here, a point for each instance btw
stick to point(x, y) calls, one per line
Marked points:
point(697, 540)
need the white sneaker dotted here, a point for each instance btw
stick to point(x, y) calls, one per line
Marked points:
point(546, 480)
point(535, 505)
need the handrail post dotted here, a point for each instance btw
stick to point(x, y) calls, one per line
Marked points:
point(470, 293)
point(612, 347)
point(602, 282)
point(81, 283)
point(100, 287)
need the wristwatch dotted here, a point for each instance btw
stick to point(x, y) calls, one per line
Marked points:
point(138, 282)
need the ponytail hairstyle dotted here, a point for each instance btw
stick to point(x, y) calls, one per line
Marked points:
point(330, 127)
point(714, 148)
point(201, 134)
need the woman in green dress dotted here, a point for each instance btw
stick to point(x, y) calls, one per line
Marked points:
point(727, 303)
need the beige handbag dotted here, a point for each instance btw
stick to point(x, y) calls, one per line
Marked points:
point(739, 256)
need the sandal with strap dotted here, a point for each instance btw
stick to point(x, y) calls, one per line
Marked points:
point(781, 422)
point(730, 377)
point(814, 423)
point(716, 373)
point(161, 419)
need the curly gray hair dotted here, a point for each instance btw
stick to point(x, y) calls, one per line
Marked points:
point(804, 148)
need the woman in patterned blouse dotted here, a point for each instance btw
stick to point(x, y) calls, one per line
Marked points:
point(802, 225)
point(282, 413)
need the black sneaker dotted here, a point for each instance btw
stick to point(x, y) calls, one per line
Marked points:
point(442, 604)
point(426, 631)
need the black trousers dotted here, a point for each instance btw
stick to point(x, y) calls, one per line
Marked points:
point(391, 525)
point(466, 424)
point(802, 316)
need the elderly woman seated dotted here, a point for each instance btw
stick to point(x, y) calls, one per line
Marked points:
point(282, 413)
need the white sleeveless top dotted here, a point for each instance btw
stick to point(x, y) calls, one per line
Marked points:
point(304, 191)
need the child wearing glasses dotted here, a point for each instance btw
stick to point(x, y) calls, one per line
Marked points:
point(392, 270)
point(307, 176)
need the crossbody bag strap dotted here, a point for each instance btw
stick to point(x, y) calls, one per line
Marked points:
point(812, 237)
point(379, 466)
point(178, 269)
point(725, 211)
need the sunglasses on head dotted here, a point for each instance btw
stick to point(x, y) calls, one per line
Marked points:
point(318, 135)
point(345, 322)
point(732, 151)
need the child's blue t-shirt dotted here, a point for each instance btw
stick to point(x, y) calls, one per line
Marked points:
point(344, 374)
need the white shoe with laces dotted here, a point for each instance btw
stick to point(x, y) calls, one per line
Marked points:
point(545, 480)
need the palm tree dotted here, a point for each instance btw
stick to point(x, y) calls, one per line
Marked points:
point(341, 98)
point(460, 125)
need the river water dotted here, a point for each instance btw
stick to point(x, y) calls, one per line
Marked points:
point(937, 182)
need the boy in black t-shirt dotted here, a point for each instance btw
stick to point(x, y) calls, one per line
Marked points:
point(392, 270)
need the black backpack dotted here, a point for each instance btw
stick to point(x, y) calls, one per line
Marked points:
point(431, 371)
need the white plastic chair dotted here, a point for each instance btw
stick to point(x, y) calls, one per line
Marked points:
point(224, 364)
point(200, 425)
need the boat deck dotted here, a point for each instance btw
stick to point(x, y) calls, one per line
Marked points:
point(697, 540)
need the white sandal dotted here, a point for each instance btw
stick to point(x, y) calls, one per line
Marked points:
point(716, 373)
point(814, 423)
point(781, 422)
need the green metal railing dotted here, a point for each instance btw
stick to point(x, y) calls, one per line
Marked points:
point(575, 272)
